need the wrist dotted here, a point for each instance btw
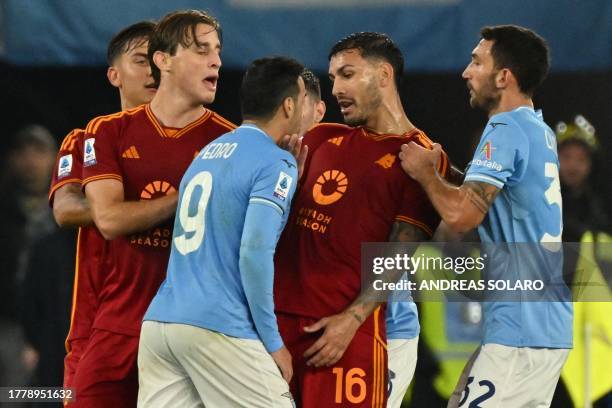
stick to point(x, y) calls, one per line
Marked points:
point(427, 175)
point(354, 318)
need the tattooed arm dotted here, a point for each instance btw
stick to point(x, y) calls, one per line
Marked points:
point(462, 208)
point(340, 329)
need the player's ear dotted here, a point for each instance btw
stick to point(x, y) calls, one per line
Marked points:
point(162, 60)
point(288, 107)
point(503, 78)
point(113, 77)
point(320, 109)
point(385, 71)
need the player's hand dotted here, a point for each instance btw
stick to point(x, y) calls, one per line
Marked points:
point(293, 144)
point(282, 358)
point(419, 162)
point(339, 330)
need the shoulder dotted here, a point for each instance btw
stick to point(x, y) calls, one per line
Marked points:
point(217, 120)
point(506, 123)
point(71, 139)
point(324, 131)
point(114, 121)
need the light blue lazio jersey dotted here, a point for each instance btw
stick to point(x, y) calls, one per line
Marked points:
point(210, 282)
point(518, 154)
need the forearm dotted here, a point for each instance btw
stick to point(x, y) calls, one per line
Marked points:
point(126, 217)
point(70, 207)
point(450, 202)
point(370, 298)
point(257, 271)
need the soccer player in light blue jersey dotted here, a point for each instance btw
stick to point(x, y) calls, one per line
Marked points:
point(512, 193)
point(210, 336)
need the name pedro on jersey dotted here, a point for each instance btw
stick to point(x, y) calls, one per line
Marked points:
point(218, 151)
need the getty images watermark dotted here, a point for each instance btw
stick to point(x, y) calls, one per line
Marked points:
point(520, 272)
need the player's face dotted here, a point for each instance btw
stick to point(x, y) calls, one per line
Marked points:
point(480, 76)
point(296, 120)
point(196, 69)
point(311, 115)
point(134, 75)
point(574, 165)
point(355, 86)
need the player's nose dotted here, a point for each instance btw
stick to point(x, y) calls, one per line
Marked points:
point(337, 89)
point(215, 60)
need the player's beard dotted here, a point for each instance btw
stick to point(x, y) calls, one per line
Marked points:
point(488, 97)
point(371, 103)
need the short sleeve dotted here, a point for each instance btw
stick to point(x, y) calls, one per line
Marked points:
point(100, 158)
point(68, 166)
point(416, 209)
point(275, 184)
point(501, 156)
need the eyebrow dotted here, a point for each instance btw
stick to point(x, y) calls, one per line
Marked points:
point(139, 54)
point(205, 44)
point(342, 68)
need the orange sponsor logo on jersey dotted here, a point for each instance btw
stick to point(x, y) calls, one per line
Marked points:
point(313, 220)
point(330, 187)
point(386, 162)
point(156, 189)
point(156, 238)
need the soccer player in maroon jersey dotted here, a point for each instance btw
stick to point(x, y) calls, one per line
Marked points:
point(352, 190)
point(129, 71)
point(133, 162)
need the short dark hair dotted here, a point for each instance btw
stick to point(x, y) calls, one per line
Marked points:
point(128, 38)
point(374, 45)
point(178, 27)
point(266, 84)
point(520, 50)
point(312, 84)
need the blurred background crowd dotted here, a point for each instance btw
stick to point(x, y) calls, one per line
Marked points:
point(53, 79)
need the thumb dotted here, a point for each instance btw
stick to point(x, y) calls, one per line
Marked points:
point(436, 147)
point(317, 326)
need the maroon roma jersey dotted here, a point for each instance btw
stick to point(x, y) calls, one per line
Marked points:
point(88, 274)
point(149, 160)
point(353, 190)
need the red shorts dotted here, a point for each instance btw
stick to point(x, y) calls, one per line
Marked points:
point(106, 374)
point(358, 379)
point(71, 361)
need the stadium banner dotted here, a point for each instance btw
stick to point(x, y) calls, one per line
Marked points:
point(435, 35)
point(479, 272)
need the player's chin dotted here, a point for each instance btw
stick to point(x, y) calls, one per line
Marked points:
point(206, 98)
point(353, 120)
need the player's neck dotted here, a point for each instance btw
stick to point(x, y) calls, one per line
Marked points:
point(173, 109)
point(390, 118)
point(267, 127)
point(510, 102)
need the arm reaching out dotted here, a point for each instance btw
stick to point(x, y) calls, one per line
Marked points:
point(114, 216)
point(462, 208)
